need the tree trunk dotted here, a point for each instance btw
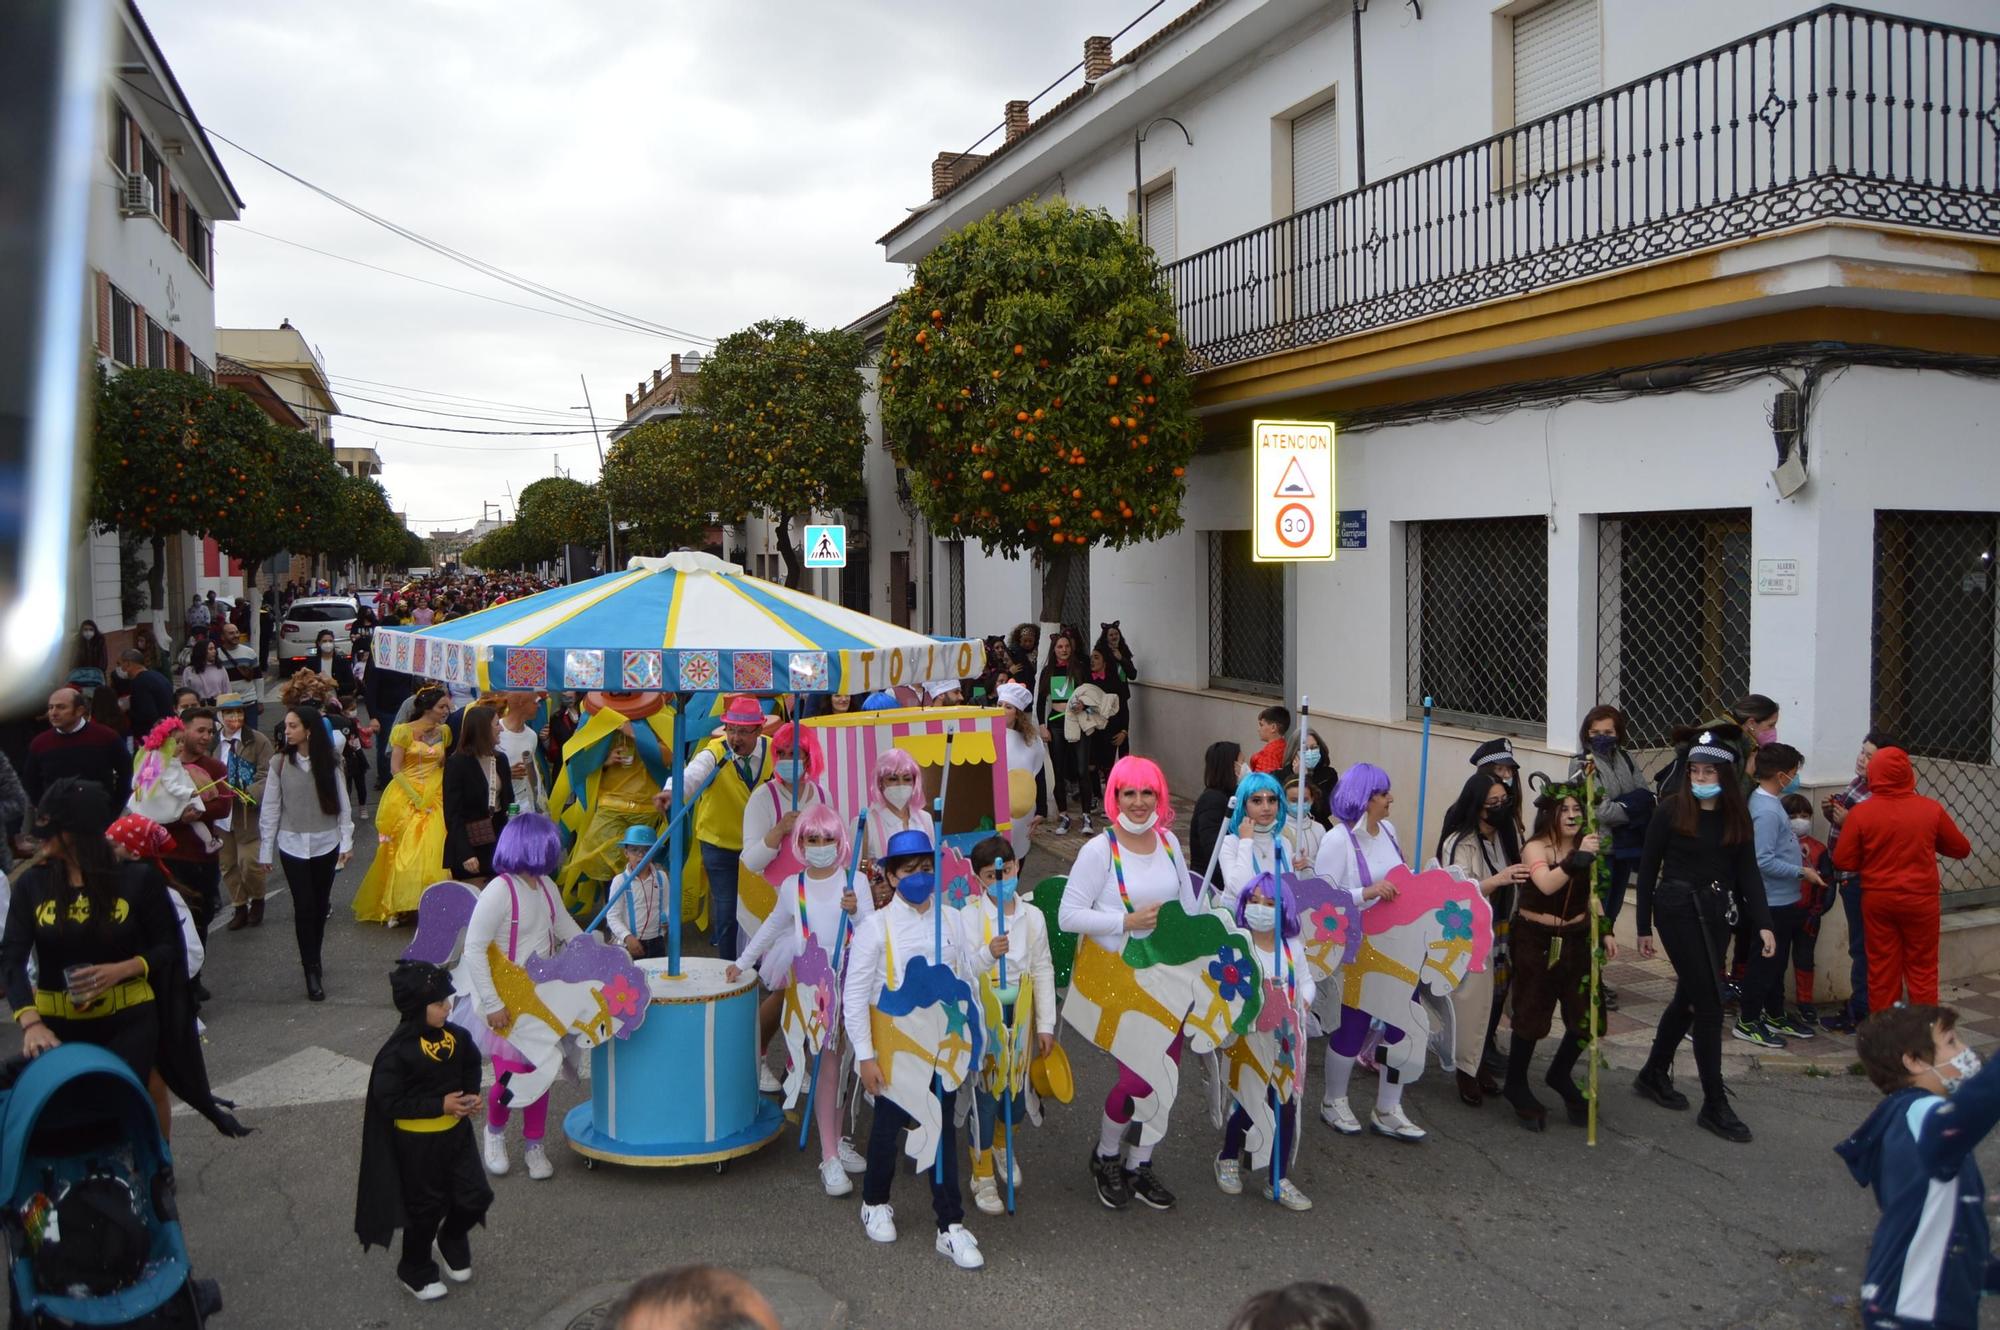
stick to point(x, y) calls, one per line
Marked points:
point(794, 569)
point(156, 596)
point(1055, 581)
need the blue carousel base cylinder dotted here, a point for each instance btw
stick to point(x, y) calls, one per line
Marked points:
point(683, 1089)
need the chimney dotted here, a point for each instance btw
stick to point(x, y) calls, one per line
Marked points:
point(628, 404)
point(1017, 120)
point(1096, 58)
point(675, 363)
point(948, 168)
point(656, 378)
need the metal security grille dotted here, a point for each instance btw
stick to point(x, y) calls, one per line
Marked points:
point(1246, 617)
point(954, 576)
point(1673, 617)
point(1478, 622)
point(1935, 673)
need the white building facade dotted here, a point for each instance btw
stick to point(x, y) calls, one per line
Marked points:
point(1580, 280)
point(157, 191)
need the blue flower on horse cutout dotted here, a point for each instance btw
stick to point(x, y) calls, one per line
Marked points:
point(1457, 921)
point(1234, 980)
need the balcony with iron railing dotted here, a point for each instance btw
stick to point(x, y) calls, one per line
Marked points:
point(1841, 114)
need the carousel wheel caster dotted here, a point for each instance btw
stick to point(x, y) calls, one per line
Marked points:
point(589, 1164)
point(721, 1167)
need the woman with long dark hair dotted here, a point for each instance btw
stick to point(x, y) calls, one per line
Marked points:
point(1480, 840)
point(204, 673)
point(1315, 764)
point(1221, 768)
point(1697, 877)
point(1061, 677)
point(478, 790)
point(307, 818)
point(1118, 657)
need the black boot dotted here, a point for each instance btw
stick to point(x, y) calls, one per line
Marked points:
point(1560, 1079)
point(1659, 1087)
point(1718, 1117)
point(314, 992)
point(1520, 1052)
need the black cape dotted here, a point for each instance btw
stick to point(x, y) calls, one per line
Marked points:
point(400, 1068)
point(179, 1060)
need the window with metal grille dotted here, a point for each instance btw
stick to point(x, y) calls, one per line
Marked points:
point(954, 581)
point(1673, 617)
point(1936, 619)
point(1477, 619)
point(122, 334)
point(1246, 617)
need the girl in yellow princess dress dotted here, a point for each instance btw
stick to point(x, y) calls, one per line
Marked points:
point(409, 823)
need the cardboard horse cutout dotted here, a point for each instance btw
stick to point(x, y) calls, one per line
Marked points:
point(586, 993)
point(1421, 944)
point(925, 1028)
point(1196, 974)
point(810, 1009)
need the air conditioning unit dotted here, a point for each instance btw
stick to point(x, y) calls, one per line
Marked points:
point(138, 201)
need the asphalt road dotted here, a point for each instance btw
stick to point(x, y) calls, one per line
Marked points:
point(1482, 1225)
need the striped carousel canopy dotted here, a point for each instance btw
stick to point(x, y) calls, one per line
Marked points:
point(688, 622)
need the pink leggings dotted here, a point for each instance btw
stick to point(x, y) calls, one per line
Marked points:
point(534, 1118)
point(1130, 1085)
point(826, 1102)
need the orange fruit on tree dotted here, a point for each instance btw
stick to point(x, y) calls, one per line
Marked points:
point(1020, 415)
point(1020, 350)
point(1111, 380)
point(1055, 521)
point(986, 475)
point(937, 313)
point(1145, 378)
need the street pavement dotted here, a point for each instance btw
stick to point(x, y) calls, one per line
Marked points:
point(1482, 1225)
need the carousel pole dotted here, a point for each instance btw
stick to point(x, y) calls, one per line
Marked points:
point(937, 895)
point(677, 840)
point(1423, 780)
point(798, 750)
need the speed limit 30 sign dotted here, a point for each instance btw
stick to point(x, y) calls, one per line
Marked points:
point(1294, 516)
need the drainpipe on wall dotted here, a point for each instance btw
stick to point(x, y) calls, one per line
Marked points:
point(1360, 103)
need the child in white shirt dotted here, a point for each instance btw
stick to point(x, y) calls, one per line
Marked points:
point(1022, 947)
point(634, 917)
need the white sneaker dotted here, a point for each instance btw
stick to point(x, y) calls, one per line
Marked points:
point(1291, 1197)
point(834, 1178)
point(986, 1195)
point(767, 1080)
point(1062, 825)
point(959, 1244)
point(880, 1221)
point(537, 1160)
point(455, 1276)
point(1396, 1126)
point(1336, 1114)
point(430, 1292)
point(496, 1152)
point(1014, 1167)
point(850, 1158)
point(1086, 824)
point(1229, 1176)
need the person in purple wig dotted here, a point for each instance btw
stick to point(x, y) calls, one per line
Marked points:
point(521, 913)
point(1357, 854)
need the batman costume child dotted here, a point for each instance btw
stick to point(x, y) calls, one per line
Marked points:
point(420, 1168)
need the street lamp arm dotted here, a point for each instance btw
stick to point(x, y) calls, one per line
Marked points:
point(1139, 176)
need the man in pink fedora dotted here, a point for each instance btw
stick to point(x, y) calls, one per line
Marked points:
point(739, 761)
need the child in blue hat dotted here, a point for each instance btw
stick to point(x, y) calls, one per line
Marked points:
point(635, 916)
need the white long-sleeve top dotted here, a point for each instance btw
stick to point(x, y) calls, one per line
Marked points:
point(1027, 950)
point(197, 955)
point(1245, 855)
point(769, 802)
point(1091, 906)
point(883, 822)
point(301, 844)
point(531, 911)
point(1337, 864)
point(910, 931)
point(637, 913)
point(778, 936)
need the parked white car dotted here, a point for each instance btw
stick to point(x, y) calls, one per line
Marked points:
point(307, 617)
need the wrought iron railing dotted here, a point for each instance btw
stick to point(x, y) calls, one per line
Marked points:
point(1841, 113)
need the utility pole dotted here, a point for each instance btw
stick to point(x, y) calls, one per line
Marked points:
point(610, 527)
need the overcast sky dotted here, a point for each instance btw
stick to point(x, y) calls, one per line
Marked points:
point(702, 166)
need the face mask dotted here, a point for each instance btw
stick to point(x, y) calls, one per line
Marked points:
point(1264, 827)
point(1140, 827)
point(1966, 1064)
point(1508, 781)
point(1312, 758)
point(1603, 744)
point(89, 633)
point(326, 648)
point(1768, 735)
point(821, 856)
point(1260, 918)
point(1791, 786)
point(916, 888)
point(1242, 770)
point(898, 796)
point(1704, 791)
point(1003, 890)
point(1802, 826)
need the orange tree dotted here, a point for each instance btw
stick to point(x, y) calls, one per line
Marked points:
point(777, 411)
point(171, 454)
point(1034, 384)
point(661, 486)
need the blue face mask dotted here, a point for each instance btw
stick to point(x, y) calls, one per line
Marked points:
point(1312, 758)
point(1603, 744)
point(1003, 890)
point(916, 888)
point(1701, 791)
point(1791, 787)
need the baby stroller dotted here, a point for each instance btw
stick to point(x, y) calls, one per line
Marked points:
point(87, 1199)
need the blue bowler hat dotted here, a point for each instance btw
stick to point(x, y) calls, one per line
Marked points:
point(907, 843)
point(640, 837)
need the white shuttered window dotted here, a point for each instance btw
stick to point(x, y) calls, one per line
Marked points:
point(1315, 157)
point(1558, 61)
point(1160, 222)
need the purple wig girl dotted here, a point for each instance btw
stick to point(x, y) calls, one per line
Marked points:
point(1272, 889)
point(529, 846)
point(1358, 784)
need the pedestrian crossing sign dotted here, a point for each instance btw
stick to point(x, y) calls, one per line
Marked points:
point(826, 547)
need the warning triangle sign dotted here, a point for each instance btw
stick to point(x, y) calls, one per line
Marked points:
point(1293, 484)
